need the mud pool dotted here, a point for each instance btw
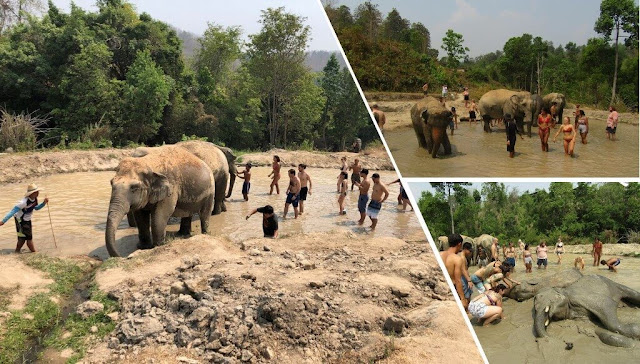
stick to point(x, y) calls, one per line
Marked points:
point(512, 340)
point(79, 204)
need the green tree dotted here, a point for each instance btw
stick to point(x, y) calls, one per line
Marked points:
point(219, 48)
point(368, 18)
point(617, 15)
point(394, 27)
point(331, 85)
point(452, 45)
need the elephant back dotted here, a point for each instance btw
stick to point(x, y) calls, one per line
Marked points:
point(434, 109)
point(484, 240)
point(492, 103)
point(208, 153)
point(549, 98)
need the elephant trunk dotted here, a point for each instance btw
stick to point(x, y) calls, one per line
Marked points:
point(117, 210)
point(232, 180)
point(541, 321)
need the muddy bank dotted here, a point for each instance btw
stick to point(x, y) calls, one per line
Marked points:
point(319, 297)
point(373, 159)
point(607, 249)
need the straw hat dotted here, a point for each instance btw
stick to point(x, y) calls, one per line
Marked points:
point(31, 189)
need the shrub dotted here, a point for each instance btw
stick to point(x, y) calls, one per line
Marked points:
point(20, 132)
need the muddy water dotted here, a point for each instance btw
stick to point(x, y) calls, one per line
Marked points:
point(480, 154)
point(512, 340)
point(79, 204)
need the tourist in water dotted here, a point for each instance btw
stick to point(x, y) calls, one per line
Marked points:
point(22, 213)
point(305, 184)
point(269, 221)
point(559, 249)
point(275, 175)
point(488, 305)
point(510, 255)
point(481, 276)
point(511, 131)
point(364, 185)
point(465, 93)
point(344, 168)
point(246, 176)
point(473, 111)
point(579, 262)
point(343, 193)
point(612, 123)
point(526, 257)
point(544, 129)
point(582, 125)
point(355, 169)
point(293, 194)
point(611, 263)
point(379, 194)
point(453, 124)
point(596, 251)
point(403, 198)
point(379, 115)
point(455, 265)
point(541, 254)
point(568, 135)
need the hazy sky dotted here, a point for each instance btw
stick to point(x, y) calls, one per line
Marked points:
point(487, 24)
point(193, 15)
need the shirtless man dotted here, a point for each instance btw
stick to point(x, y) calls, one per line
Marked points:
point(355, 174)
point(473, 111)
point(293, 194)
point(246, 176)
point(612, 263)
point(494, 250)
point(364, 186)
point(378, 114)
point(481, 277)
point(467, 285)
point(379, 189)
point(455, 265)
point(510, 255)
point(305, 184)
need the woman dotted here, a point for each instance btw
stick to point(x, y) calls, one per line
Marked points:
point(276, 174)
point(544, 129)
point(343, 193)
point(569, 136)
point(343, 169)
point(488, 305)
point(512, 130)
point(582, 125)
point(612, 123)
point(559, 250)
point(481, 277)
point(453, 123)
point(528, 261)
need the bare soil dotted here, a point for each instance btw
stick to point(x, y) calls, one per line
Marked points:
point(374, 159)
point(607, 249)
point(18, 281)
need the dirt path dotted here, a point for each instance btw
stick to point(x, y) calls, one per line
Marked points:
point(373, 159)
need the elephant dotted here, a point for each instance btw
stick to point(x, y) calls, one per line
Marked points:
point(529, 288)
point(233, 170)
point(443, 244)
point(168, 182)
point(430, 120)
point(591, 296)
point(560, 101)
point(485, 241)
point(522, 105)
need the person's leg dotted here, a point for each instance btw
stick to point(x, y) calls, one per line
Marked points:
point(493, 313)
point(277, 186)
point(301, 204)
point(374, 222)
point(286, 209)
point(30, 245)
point(296, 212)
point(340, 204)
point(19, 245)
point(566, 147)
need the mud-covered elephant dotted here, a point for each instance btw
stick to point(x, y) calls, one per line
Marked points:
point(169, 182)
point(560, 101)
point(591, 296)
point(430, 121)
point(528, 288)
point(522, 105)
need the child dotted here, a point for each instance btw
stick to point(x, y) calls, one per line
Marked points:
point(246, 176)
point(21, 214)
point(343, 192)
point(579, 262)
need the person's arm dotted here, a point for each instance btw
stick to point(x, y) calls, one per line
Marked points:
point(586, 122)
point(310, 183)
point(275, 234)
point(465, 272)
point(251, 214)
point(573, 133)
point(13, 211)
point(41, 205)
point(555, 136)
point(457, 273)
point(386, 193)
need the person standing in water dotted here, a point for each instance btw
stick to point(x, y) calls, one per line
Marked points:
point(379, 115)
point(541, 253)
point(511, 131)
point(403, 198)
point(453, 124)
point(293, 194)
point(596, 252)
point(526, 257)
point(22, 213)
point(276, 175)
point(378, 196)
point(455, 265)
point(343, 193)
point(363, 198)
point(612, 123)
point(569, 136)
point(510, 255)
point(344, 168)
point(544, 129)
point(582, 125)
point(465, 93)
point(473, 109)
point(305, 184)
point(355, 169)
point(246, 176)
point(559, 249)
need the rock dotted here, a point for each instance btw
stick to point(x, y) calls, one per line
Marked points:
point(189, 262)
point(316, 284)
point(246, 355)
point(268, 353)
point(266, 248)
point(214, 345)
point(394, 324)
point(184, 359)
point(183, 336)
point(67, 353)
point(199, 318)
point(307, 265)
point(400, 292)
point(254, 252)
point(8, 150)
point(216, 281)
point(94, 329)
point(113, 343)
point(113, 316)
point(289, 265)
point(89, 308)
point(248, 276)
point(27, 316)
point(226, 350)
point(134, 330)
point(179, 288)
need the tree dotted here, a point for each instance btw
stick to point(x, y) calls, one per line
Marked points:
point(219, 48)
point(394, 27)
point(616, 15)
point(368, 18)
point(14, 11)
point(330, 84)
point(420, 38)
point(452, 45)
point(445, 189)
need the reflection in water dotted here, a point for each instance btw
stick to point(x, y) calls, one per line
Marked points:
point(479, 154)
point(512, 340)
point(79, 204)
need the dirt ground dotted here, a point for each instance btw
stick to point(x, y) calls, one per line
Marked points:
point(607, 249)
point(374, 159)
point(18, 282)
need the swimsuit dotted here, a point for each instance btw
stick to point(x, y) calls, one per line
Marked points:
point(477, 309)
point(511, 261)
point(546, 121)
point(403, 193)
point(362, 203)
point(245, 187)
point(528, 259)
point(478, 283)
point(303, 193)
point(617, 262)
point(465, 288)
point(582, 126)
point(472, 114)
point(560, 249)
point(374, 209)
point(355, 177)
point(293, 199)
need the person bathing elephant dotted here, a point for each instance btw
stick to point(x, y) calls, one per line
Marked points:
point(521, 105)
point(168, 182)
point(430, 120)
point(556, 103)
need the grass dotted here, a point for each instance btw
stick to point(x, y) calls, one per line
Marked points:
point(5, 297)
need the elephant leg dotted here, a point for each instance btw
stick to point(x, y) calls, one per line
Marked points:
point(614, 339)
point(159, 218)
point(446, 143)
point(487, 123)
point(428, 137)
point(438, 135)
point(606, 311)
point(131, 219)
point(629, 295)
point(204, 215)
point(142, 220)
point(185, 226)
point(221, 187)
point(420, 136)
point(529, 129)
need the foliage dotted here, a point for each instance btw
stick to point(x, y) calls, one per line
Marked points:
point(452, 45)
point(20, 131)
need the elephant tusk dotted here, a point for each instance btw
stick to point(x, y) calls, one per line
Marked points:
point(546, 309)
point(546, 323)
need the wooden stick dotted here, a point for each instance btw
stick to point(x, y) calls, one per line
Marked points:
point(51, 223)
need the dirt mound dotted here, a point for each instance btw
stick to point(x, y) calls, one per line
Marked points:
point(327, 297)
point(18, 282)
point(372, 159)
point(607, 249)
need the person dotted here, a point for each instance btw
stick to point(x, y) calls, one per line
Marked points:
point(544, 129)
point(379, 115)
point(246, 176)
point(343, 194)
point(455, 264)
point(425, 89)
point(363, 198)
point(582, 125)
point(467, 285)
point(482, 256)
point(541, 254)
point(510, 255)
point(403, 198)
point(576, 113)
point(22, 213)
point(357, 145)
point(355, 169)
point(378, 195)
point(511, 131)
point(596, 252)
point(506, 270)
point(579, 261)
point(526, 257)
point(494, 250)
point(473, 109)
point(443, 102)
point(293, 194)
point(488, 306)
point(521, 247)
point(553, 111)
point(269, 221)
point(465, 93)
point(559, 249)
point(480, 277)
point(276, 175)
point(612, 123)
point(453, 124)
point(305, 184)
point(612, 263)
point(569, 136)
point(344, 168)
point(445, 91)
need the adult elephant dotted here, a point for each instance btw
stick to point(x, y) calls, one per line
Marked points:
point(168, 182)
point(443, 244)
point(233, 170)
point(430, 121)
point(522, 105)
point(530, 287)
point(559, 99)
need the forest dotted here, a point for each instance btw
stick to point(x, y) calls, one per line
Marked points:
point(389, 53)
point(577, 213)
point(116, 77)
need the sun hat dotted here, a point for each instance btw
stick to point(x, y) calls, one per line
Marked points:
point(31, 189)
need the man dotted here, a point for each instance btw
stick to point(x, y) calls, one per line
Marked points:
point(305, 185)
point(403, 198)
point(596, 252)
point(611, 263)
point(445, 91)
point(379, 189)
point(425, 89)
point(246, 176)
point(465, 93)
point(554, 112)
point(494, 250)
point(541, 253)
point(364, 194)
point(269, 221)
point(22, 213)
point(378, 114)
point(510, 255)
point(455, 265)
point(612, 123)
point(473, 109)
point(467, 285)
point(356, 167)
point(293, 194)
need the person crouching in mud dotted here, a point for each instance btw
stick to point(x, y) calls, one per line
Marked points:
point(22, 213)
point(363, 198)
point(269, 221)
point(379, 189)
point(488, 305)
point(293, 194)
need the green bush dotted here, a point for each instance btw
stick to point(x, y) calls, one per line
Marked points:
point(19, 131)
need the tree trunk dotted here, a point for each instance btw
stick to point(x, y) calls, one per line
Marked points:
point(453, 229)
point(615, 70)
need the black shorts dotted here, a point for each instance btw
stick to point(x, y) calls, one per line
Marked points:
point(246, 186)
point(293, 199)
point(303, 193)
point(472, 114)
point(466, 97)
point(611, 130)
point(23, 228)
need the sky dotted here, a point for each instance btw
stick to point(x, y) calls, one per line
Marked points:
point(193, 15)
point(418, 187)
point(486, 25)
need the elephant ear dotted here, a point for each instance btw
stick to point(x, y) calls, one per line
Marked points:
point(424, 115)
point(516, 99)
point(159, 187)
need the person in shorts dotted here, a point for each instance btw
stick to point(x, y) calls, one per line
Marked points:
point(465, 93)
point(612, 263)
point(612, 123)
point(246, 176)
point(269, 221)
point(473, 110)
point(355, 168)
point(293, 194)
point(379, 194)
point(453, 123)
point(22, 213)
point(364, 185)
point(541, 254)
point(305, 184)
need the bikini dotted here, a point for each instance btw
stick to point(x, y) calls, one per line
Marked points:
point(546, 121)
point(566, 131)
point(582, 125)
point(478, 308)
